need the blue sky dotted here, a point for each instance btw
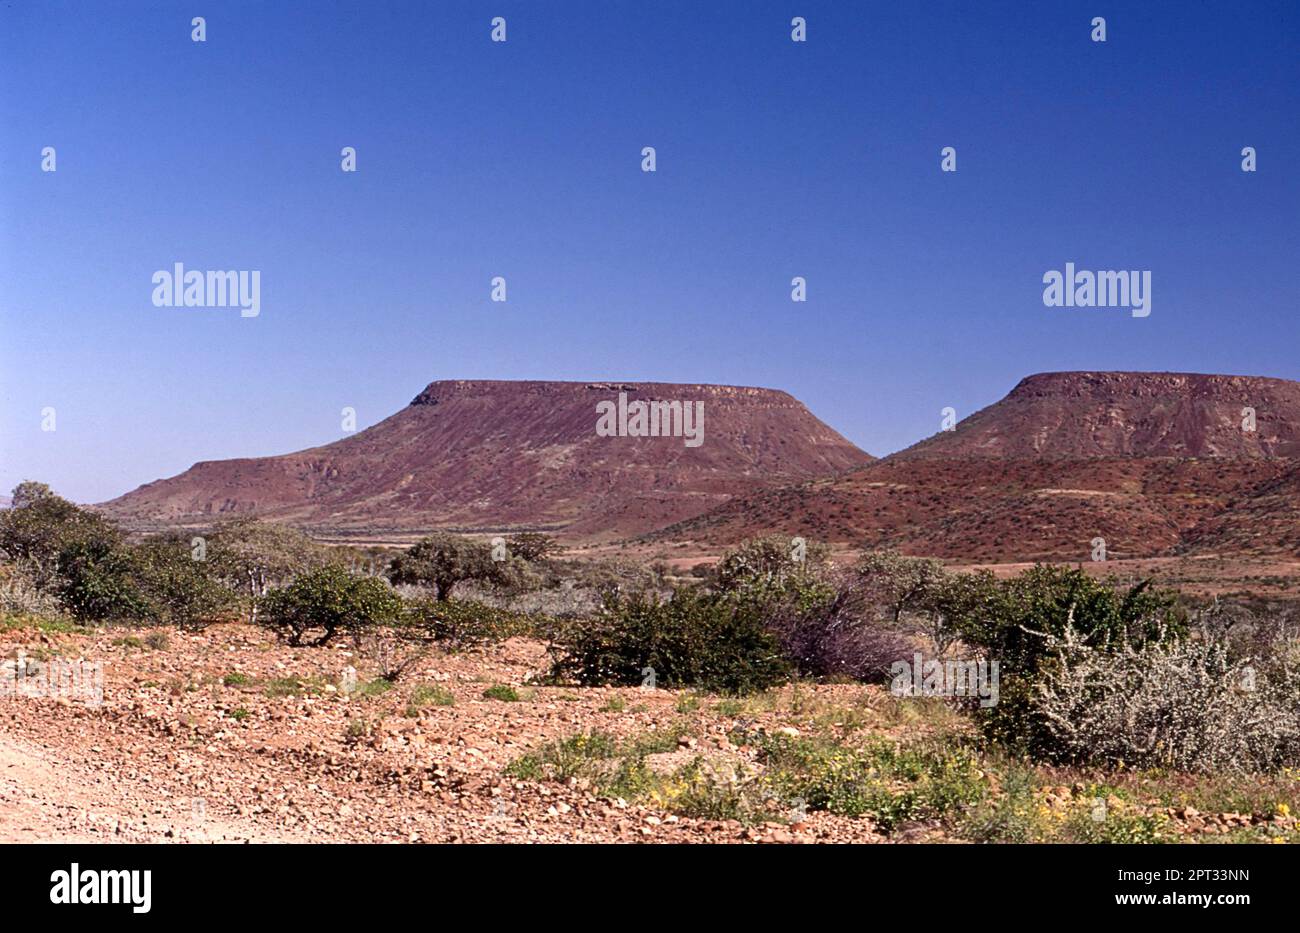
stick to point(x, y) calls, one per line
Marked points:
point(476, 159)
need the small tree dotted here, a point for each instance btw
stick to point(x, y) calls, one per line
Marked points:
point(443, 560)
point(29, 492)
point(252, 556)
point(767, 562)
point(902, 584)
point(532, 546)
point(180, 588)
point(40, 527)
point(329, 600)
point(947, 604)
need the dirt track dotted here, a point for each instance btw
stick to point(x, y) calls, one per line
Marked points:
point(45, 797)
point(259, 734)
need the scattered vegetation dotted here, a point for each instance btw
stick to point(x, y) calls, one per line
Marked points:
point(328, 601)
point(1093, 673)
point(428, 695)
point(502, 692)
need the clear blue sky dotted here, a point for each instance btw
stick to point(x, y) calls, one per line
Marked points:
point(522, 159)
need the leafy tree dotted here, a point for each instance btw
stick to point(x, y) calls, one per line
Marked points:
point(442, 560)
point(329, 600)
point(766, 562)
point(946, 604)
point(74, 553)
point(252, 556)
point(40, 526)
point(29, 492)
point(181, 587)
point(902, 584)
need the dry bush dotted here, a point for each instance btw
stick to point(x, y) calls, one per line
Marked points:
point(832, 627)
point(1186, 704)
point(19, 595)
point(390, 652)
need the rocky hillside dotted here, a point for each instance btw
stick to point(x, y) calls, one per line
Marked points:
point(1105, 414)
point(486, 455)
point(1154, 463)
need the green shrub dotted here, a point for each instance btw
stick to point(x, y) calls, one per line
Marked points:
point(532, 546)
point(710, 641)
point(1016, 621)
point(586, 755)
point(180, 589)
point(503, 692)
point(889, 783)
point(460, 624)
point(428, 695)
point(73, 553)
point(97, 580)
point(373, 688)
point(765, 562)
point(39, 527)
point(329, 600)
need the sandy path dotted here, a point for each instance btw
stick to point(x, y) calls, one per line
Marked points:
point(46, 797)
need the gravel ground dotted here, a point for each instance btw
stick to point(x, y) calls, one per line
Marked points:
point(194, 742)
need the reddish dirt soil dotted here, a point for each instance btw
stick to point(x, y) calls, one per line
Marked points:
point(166, 735)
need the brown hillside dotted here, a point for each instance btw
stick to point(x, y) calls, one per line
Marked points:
point(1155, 463)
point(493, 455)
point(1101, 414)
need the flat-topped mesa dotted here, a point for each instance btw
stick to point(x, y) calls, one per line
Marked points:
point(1116, 385)
point(443, 390)
point(496, 455)
point(1129, 414)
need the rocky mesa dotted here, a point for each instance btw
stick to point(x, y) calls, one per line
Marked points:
point(486, 455)
point(1153, 463)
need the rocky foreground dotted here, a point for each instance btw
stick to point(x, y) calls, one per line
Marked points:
point(228, 736)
